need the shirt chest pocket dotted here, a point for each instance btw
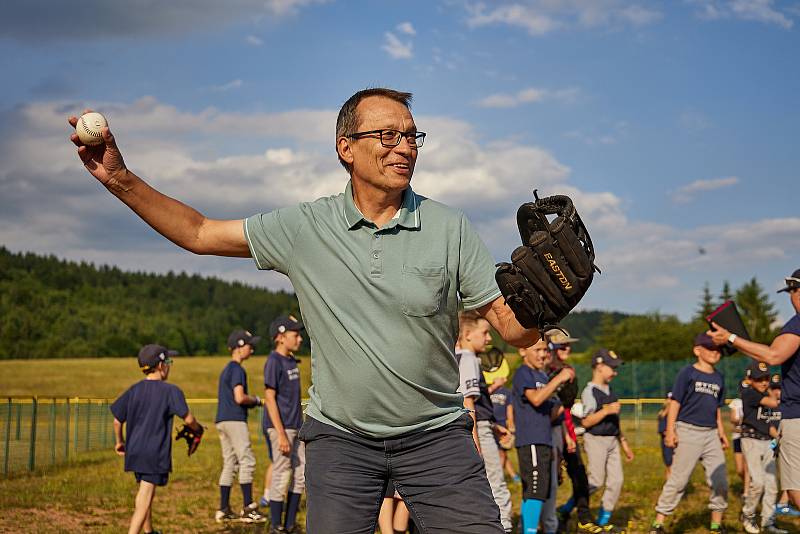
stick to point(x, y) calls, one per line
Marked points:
point(422, 290)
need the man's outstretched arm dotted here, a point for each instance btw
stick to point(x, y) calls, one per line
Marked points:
point(181, 224)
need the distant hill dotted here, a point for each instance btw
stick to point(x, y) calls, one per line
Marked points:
point(52, 308)
point(585, 325)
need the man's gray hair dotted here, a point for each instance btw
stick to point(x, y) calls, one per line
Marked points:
point(347, 121)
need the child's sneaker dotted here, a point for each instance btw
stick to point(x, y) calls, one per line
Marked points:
point(657, 529)
point(589, 527)
point(719, 529)
point(786, 509)
point(251, 514)
point(749, 525)
point(224, 516)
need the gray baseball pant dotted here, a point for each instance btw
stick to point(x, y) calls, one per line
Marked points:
point(761, 466)
point(237, 454)
point(695, 443)
point(494, 472)
point(605, 467)
point(286, 468)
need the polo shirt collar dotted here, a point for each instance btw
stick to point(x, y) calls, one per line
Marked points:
point(406, 217)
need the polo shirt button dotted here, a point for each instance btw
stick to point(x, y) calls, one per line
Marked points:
point(375, 255)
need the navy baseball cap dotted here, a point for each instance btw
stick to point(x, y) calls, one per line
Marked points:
point(608, 357)
point(151, 355)
point(705, 341)
point(792, 282)
point(284, 323)
point(240, 338)
point(775, 381)
point(757, 371)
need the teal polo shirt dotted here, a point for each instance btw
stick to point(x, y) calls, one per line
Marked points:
point(380, 306)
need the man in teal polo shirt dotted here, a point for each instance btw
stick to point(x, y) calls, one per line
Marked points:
point(379, 273)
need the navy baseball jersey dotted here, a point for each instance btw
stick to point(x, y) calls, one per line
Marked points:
point(147, 408)
point(227, 409)
point(757, 418)
point(700, 395)
point(790, 396)
point(501, 398)
point(282, 375)
point(532, 422)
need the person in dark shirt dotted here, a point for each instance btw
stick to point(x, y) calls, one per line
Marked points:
point(695, 431)
point(784, 351)
point(233, 402)
point(758, 432)
point(532, 397)
point(146, 410)
point(603, 438)
point(283, 418)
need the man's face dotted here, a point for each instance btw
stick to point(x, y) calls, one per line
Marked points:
point(794, 295)
point(388, 169)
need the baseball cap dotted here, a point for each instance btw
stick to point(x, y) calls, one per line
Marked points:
point(151, 355)
point(757, 370)
point(557, 337)
point(240, 338)
point(608, 357)
point(704, 340)
point(792, 282)
point(283, 324)
point(775, 381)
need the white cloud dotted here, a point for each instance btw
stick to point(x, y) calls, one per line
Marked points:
point(756, 10)
point(396, 48)
point(528, 96)
point(233, 84)
point(688, 192)
point(540, 17)
point(406, 28)
point(230, 165)
point(253, 40)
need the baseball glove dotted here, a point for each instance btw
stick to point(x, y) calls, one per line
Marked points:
point(192, 437)
point(552, 270)
point(566, 392)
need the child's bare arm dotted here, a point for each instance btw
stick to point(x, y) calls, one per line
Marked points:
point(192, 422)
point(119, 440)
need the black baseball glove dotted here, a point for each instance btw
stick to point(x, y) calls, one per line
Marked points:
point(552, 270)
point(566, 392)
point(191, 436)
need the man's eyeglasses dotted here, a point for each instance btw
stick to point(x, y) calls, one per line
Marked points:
point(391, 138)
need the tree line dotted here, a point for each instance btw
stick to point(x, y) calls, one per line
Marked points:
point(53, 308)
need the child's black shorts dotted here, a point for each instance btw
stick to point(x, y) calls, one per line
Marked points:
point(535, 469)
point(737, 445)
point(157, 479)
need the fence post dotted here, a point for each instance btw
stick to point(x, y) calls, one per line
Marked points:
point(32, 453)
point(66, 434)
point(53, 432)
point(75, 426)
point(8, 438)
point(88, 423)
point(19, 421)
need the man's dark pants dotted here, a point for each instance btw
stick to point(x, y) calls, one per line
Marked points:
point(439, 474)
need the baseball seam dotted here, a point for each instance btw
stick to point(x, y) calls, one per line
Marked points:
point(88, 131)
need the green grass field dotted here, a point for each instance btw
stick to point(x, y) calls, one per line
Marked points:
point(93, 494)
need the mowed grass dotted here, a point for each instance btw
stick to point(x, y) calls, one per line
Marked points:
point(93, 494)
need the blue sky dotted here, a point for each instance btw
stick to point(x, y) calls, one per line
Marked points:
point(674, 125)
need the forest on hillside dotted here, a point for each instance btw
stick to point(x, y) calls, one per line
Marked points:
point(54, 308)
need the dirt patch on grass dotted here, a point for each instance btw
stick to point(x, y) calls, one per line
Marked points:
point(55, 519)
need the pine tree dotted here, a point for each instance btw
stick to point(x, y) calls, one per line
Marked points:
point(726, 294)
point(758, 313)
point(706, 305)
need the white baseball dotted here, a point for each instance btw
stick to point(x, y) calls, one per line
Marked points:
point(89, 128)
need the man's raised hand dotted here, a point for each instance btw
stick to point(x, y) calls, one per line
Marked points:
point(103, 161)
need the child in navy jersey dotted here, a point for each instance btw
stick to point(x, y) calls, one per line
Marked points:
point(695, 431)
point(146, 410)
point(759, 429)
point(603, 439)
point(533, 411)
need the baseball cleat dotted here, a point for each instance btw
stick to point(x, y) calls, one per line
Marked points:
point(225, 516)
point(251, 514)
